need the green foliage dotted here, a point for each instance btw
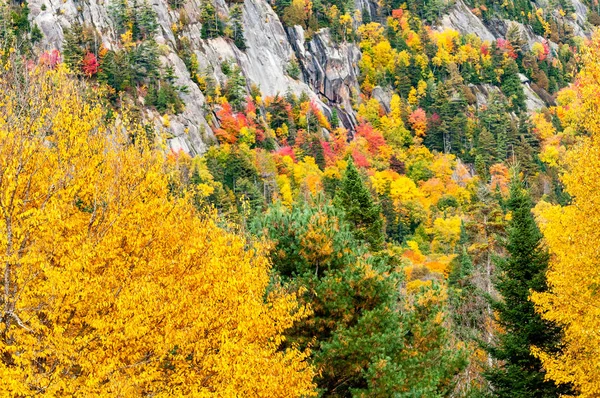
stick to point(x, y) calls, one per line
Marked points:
point(365, 338)
point(518, 373)
point(360, 210)
point(234, 169)
point(17, 33)
point(164, 97)
point(235, 88)
point(140, 19)
point(164, 94)
point(36, 34)
point(145, 24)
point(293, 69)
point(237, 26)
point(334, 120)
point(427, 10)
point(279, 111)
point(465, 297)
point(124, 69)
point(212, 25)
point(512, 88)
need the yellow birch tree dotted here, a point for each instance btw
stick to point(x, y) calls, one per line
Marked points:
point(112, 284)
point(573, 238)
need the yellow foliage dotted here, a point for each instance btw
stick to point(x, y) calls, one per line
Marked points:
point(542, 127)
point(403, 189)
point(446, 231)
point(550, 155)
point(307, 175)
point(416, 285)
point(392, 126)
point(381, 181)
point(112, 285)
point(573, 237)
point(285, 190)
point(370, 34)
point(414, 253)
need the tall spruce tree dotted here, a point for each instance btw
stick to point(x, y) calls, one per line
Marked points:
point(212, 25)
point(517, 372)
point(511, 86)
point(360, 209)
point(237, 26)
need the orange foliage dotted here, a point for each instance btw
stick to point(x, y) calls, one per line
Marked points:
point(500, 177)
point(418, 121)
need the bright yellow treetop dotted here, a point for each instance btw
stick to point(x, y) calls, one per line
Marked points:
point(112, 283)
point(573, 237)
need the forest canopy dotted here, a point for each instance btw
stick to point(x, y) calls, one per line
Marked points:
point(113, 284)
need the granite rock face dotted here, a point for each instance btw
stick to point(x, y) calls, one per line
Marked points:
point(461, 19)
point(263, 63)
point(329, 69)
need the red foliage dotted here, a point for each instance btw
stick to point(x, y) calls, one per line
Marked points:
point(502, 43)
point(505, 45)
point(397, 14)
point(360, 160)
point(418, 121)
point(374, 138)
point(301, 138)
point(250, 108)
point(231, 124)
point(328, 152)
point(339, 140)
point(485, 49)
point(546, 51)
point(286, 151)
point(50, 58)
point(90, 64)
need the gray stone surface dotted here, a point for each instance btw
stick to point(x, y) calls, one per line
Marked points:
point(461, 19)
point(329, 70)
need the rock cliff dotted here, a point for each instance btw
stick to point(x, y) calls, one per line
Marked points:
point(329, 71)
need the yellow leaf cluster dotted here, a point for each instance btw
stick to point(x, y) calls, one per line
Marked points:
point(572, 235)
point(112, 286)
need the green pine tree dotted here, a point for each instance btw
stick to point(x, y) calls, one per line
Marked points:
point(517, 372)
point(235, 89)
point(511, 86)
point(335, 120)
point(237, 26)
point(501, 146)
point(464, 296)
point(486, 148)
point(72, 52)
point(360, 210)
point(212, 26)
point(364, 341)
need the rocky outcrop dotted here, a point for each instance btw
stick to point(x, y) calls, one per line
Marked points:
point(383, 96)
point(483, 91)
point(330, 69)
point(263, 63)
point(581, 13)
point(371, 7)
point(532, 100)
point(461, 19)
